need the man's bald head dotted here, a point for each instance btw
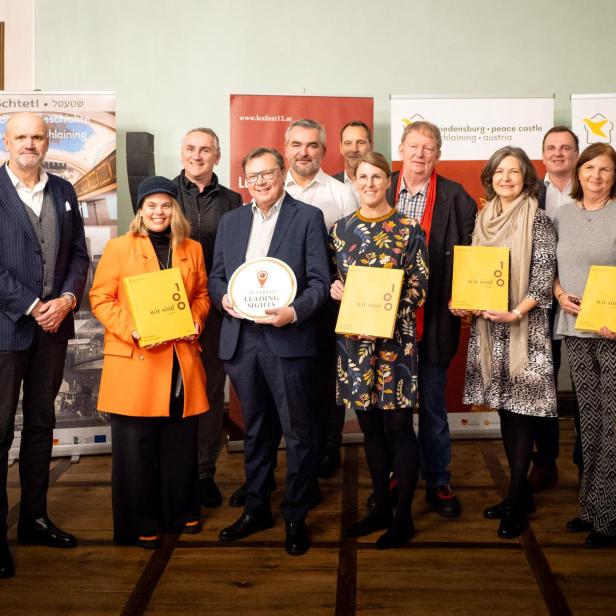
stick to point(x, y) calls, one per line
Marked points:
point(26, 139)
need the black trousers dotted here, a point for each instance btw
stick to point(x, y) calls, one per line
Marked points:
point(330, 416)
point(516, 430)
point(274, 389)
point(545, 429)
point(211, 423)
point(40, 368)
point(154, 479)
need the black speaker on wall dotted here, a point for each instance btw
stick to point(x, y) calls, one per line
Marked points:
point(139, 161)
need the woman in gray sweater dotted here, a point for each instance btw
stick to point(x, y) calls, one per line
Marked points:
point(586, 233)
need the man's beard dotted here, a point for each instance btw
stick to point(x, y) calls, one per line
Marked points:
point(306, 171)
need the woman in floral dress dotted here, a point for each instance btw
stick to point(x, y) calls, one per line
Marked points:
point(378, 377)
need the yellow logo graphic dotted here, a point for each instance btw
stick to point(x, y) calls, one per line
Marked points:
point(598, 129)
point(414, 118)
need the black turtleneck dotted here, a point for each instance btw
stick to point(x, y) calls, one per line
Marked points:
point(161, 241)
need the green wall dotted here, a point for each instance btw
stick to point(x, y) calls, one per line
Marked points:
point(174, 63)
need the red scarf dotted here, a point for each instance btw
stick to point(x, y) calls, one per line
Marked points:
point(426, 225)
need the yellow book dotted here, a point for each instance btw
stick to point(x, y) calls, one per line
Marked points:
point(370, 302)
point(480, 278)
point(159, 306)
point(598, 308)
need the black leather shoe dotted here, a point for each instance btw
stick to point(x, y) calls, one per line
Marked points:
point(209, 492)
point(43, 531)
point(296, 541)
point(395, 537)
point(330, 463)
point(577, 525)
point(599, 540)
point(7, 569)
point(246, 524)
point(497, 512)
point(375, 520)
point(443, 501)
point(512, 524)
point(542, 477)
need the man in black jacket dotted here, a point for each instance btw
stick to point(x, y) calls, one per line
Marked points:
point(204, 201)
point(560, 151)
point(449, 212)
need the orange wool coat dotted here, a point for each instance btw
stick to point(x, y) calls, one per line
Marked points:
point(137, 381)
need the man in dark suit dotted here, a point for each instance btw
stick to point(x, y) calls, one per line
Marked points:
point(270, 361)
point(204, 200)
point(447, 215)
point(560, 151)
point(43, 269)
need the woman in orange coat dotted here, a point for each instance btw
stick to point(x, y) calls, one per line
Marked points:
point(154, 394)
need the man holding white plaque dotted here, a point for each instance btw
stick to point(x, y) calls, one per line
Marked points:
point(271, 358)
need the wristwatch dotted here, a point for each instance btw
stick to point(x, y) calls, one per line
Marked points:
point(71, 300)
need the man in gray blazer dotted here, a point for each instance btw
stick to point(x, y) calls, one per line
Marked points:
point(43, 269)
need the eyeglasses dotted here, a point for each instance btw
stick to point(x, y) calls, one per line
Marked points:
point(268, 174)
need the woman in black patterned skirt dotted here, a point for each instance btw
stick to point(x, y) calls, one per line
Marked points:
point(586, 233)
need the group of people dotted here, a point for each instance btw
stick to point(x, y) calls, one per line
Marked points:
point(293, 375)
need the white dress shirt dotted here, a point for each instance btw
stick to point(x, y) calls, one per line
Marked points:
point(351, 184)
point(555, 198)
point(32, 197)
point(262, 229)
point(335, 199)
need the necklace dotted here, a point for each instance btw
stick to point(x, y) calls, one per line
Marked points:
point(586, 211)
point(166, 265)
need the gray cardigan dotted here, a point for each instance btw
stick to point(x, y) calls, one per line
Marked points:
point(584, 239)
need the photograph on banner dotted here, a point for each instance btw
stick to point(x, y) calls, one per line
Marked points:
point(262, 119)
point(82, 150)
point(593, 118)
point(472, 129)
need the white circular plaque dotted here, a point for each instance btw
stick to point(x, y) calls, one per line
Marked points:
point(260, 284)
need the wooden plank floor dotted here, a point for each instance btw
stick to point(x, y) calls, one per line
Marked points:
point(452, 567)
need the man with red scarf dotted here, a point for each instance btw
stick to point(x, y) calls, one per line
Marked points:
point(447, 216)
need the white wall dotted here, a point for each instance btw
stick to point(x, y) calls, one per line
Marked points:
point(173, 63)
point(18, 18)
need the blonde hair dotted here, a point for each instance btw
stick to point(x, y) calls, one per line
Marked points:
point(180, 227)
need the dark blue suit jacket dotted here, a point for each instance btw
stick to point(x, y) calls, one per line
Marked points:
point(300, 240)
point(21, 261)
